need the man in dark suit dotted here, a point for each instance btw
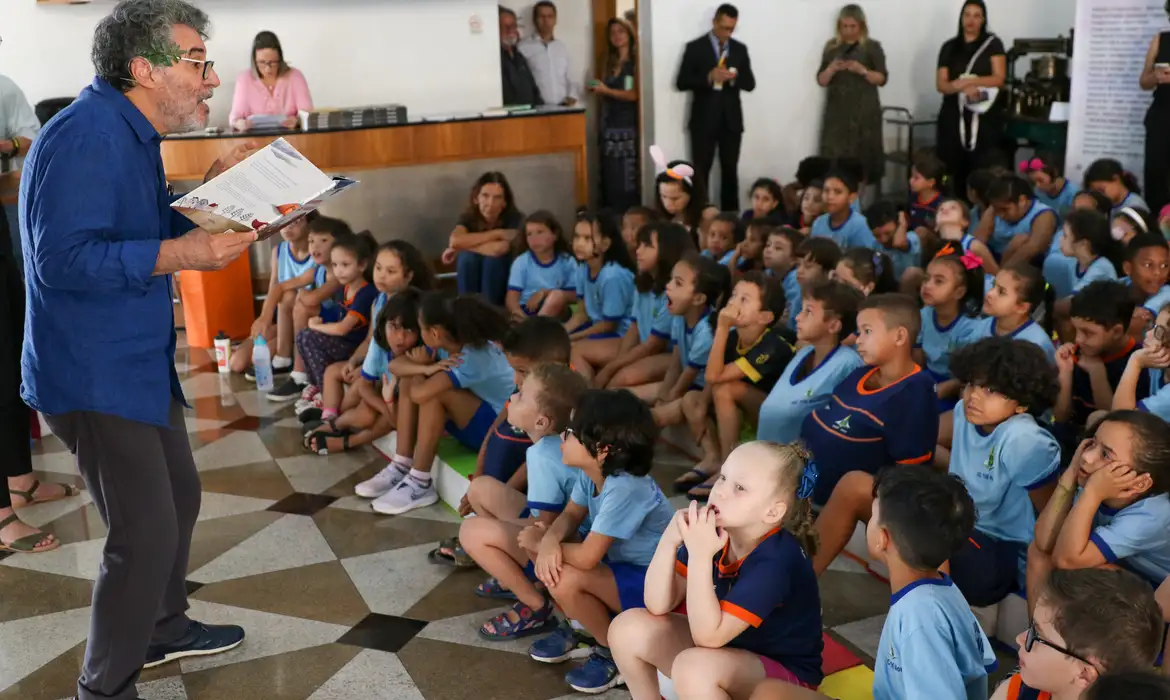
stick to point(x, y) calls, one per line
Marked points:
point(716, 68)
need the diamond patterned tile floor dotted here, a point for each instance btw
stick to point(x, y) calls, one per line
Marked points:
point(339, 603)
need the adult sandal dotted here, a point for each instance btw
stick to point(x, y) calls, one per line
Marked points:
point(28, 543)
point(692, 479)
point(67, 491)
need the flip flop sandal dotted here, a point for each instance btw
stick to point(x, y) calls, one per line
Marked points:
point(501, 628)
point(316, 426)
point(31, 499)
point(690, 480)
point(451, 554)
point(317, 443)
point(309, 415)
point(701, 493)
point(28, 543)
point(491, 588)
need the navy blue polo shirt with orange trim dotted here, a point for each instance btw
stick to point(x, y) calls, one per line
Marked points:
point(864, 429)
point(774, 590)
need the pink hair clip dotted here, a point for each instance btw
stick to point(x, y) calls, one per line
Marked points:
point(971, 261)
point(1031, 166)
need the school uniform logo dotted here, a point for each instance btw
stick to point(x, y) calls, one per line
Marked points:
point(842, 426)
point(892, 661)
point(808, 394)
point(990, 463)
point(763, 357)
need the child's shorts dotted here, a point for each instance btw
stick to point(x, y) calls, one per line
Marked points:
point(599, 336)
point(507, 449)
point(631, 583)
point(986, 570)
point(476, 431)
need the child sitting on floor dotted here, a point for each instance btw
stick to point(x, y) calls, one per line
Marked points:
point(927, 176)
point(952, 295)
point(723, 237)
point(1120, 477)
point(610, 438)
point(883, 413)
point(749, 254)
point(829, 315)
point(1086, 240)
point(780, 261)
point(1092, 367)
point(461, 392)
point(741, 564)
point(869, 271)
point(604, 280)
point(398, 266)
point(335, 334)
point(1087, 623)
point(812, 205)
point(1013, 302)
point(632, 222)
point(642, 355)
point(1022, 228)
point(891, 228)
point(818, 259)
point(1151, 362)
point(1147, 271)
point(396, 333)
point(541, 408)
point(1008, 462)
point(500, 460)
point(746, 359)
point(291, 262)
point(767, 200)
point(697, 287)
point(543, 277)
point(840, 222)
point(931, 645)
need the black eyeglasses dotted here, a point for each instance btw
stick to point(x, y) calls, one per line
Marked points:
point(207, 65)
point(1161, 333)
point(567, 433)
point(1032, 637)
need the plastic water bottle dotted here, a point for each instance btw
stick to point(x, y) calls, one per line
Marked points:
point(262, 365)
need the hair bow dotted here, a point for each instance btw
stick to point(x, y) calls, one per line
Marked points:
point(971, 261)
point(1031, 166)
point(948, 249)
point(680, 171)
point(808, 481)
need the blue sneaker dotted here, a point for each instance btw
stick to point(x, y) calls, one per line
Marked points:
point(596, 675)
point(563, 644)
point(200, 640)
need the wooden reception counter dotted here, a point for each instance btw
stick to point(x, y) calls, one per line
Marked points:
point(351, 151)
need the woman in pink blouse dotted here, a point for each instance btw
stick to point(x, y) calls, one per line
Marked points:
point(272, 87)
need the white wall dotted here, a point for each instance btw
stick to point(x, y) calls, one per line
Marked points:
point(783, 116)
point(421, 53)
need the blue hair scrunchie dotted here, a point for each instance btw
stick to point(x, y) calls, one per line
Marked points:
point(808, 480)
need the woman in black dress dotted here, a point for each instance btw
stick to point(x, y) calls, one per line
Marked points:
point(1156, 78)
point(853, 67)
point(970, 63)
point(619, 119)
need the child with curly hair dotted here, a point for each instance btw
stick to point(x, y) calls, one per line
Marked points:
point(1007, 460)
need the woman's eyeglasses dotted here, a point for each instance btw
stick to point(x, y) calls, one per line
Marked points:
point(268, 64)
point(1032, 637)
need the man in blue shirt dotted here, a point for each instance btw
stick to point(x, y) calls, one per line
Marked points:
point(100, 243)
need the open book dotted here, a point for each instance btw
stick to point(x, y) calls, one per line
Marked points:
point(264, 193)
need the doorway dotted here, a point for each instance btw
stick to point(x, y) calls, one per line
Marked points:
point(619, 121)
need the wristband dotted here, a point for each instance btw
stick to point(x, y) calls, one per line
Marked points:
point(15, 140)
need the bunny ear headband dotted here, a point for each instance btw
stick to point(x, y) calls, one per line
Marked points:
point(1031, 166)
point(681, 171)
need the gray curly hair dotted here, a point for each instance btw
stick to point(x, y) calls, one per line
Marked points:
point(140, 28)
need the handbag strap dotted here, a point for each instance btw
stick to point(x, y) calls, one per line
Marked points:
point(977, 54)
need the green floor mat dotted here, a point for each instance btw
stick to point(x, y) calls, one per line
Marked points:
point(458, 457)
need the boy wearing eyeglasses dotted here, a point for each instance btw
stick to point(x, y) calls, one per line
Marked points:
point(1088, 622)
point(1151, 363)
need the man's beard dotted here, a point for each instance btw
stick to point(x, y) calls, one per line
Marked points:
point(180, 111)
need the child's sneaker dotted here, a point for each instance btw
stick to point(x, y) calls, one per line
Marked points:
point(381, 483)
point(287, 391)
point(303, 407)
point(310, 392)
point(563, 644)
point(409, 494)
point(597, 675)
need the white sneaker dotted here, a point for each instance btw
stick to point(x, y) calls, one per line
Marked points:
point(408, 495)
point(381, 483)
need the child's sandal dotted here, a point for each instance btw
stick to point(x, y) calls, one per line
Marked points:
point(501, 628)
point(316, 426)
point(318, 443)
point(492, 588)
point(451, 553)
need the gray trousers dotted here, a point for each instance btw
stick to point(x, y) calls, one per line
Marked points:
point(144, 483)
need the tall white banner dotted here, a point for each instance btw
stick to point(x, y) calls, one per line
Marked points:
point(1108, 108)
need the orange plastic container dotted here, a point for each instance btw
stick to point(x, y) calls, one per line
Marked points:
point(217, 301)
